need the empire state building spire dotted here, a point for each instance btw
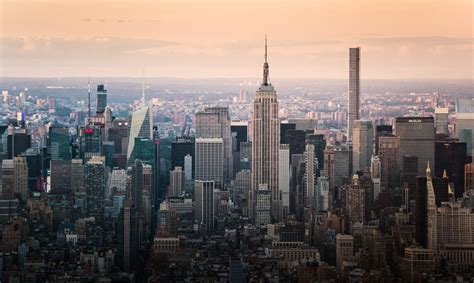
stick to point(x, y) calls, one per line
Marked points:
point(265, 66)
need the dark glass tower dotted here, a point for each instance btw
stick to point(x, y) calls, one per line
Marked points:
point(101, 99)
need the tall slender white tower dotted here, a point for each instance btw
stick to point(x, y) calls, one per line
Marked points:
point(266, 144)
point(354, 89)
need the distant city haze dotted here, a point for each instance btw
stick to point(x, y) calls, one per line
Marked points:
point(399, 39)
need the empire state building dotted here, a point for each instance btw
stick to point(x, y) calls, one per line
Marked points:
point(265, 152)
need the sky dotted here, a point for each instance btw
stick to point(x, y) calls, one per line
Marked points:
point(399, 39)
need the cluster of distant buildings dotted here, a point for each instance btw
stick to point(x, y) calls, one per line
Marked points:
point(262, 199)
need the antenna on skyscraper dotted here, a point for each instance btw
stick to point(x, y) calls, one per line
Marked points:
point(143, 83)
point(89, 99)
point(265, 48)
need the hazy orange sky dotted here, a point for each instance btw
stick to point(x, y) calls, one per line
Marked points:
point(185, 38)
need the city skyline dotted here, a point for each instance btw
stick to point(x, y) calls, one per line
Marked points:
point(145, 179)
point(408, 39)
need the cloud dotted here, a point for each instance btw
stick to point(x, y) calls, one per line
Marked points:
point(423, 40)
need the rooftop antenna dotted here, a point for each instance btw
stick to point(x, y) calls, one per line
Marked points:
point(265, 66)
point(143, 83)
point(89, 99)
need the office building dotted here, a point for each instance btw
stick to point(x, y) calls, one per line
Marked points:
point(417, 138)
point(431, 225)
point(204, 203)
point(177, 180)
point(337, 164)
point(469, 178)
point(240, 129)
point(214, 122)
point(441, 120)
point(465, 121)
point(141, 127)
point(18, 141)
point(101, 99)
point(209, 154)
point(344, 250)
point(362, 145)
point(188, 167)
point(95, 179)
point(297, 141)
point(137, 185)
point(284, 177)
point(323, 195)
point(319, 144)
point(451, 156)
point(129, 236)
point(284, 127)
point(376, 175)
point(20, 178)
point(354, 89)
point(263, 206)
point(60, 176)
point(265, 143)
point(60, 143)
point(91, 138)
point(389, 155)
point(416, 263)
point(355, 201)
point(381, 130)
point(309, 178)
point(180, 148)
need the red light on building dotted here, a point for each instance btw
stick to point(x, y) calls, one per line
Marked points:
point(89, 131)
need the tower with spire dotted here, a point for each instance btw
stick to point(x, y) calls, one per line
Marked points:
point(431, 207)
point(265, 147)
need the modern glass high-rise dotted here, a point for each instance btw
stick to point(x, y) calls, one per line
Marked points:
point(417, 138)
point(60, 143)
point(354, 89)
point(465, 121)
point(101, 99)
point(180, 148)
point(266, 143)
point(141, 127)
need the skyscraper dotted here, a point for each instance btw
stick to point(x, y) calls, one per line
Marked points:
point(309, 181)
point(450, 157)
point(141, 127)
point(389, 154)
point(284, 177)
point(209, 159)
point(266, 142)
point(354, 89)
point(214, 122)
point(176, 181)
point(465, 121)
point(431, 225)
point(204, 196)
point(96, 184)
point(363, 145)
point(20, 171)
point(417, 138)
point(441, 120)
point(8, 175)
point(179, 149)
point(101, 99)
point(60, 143)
